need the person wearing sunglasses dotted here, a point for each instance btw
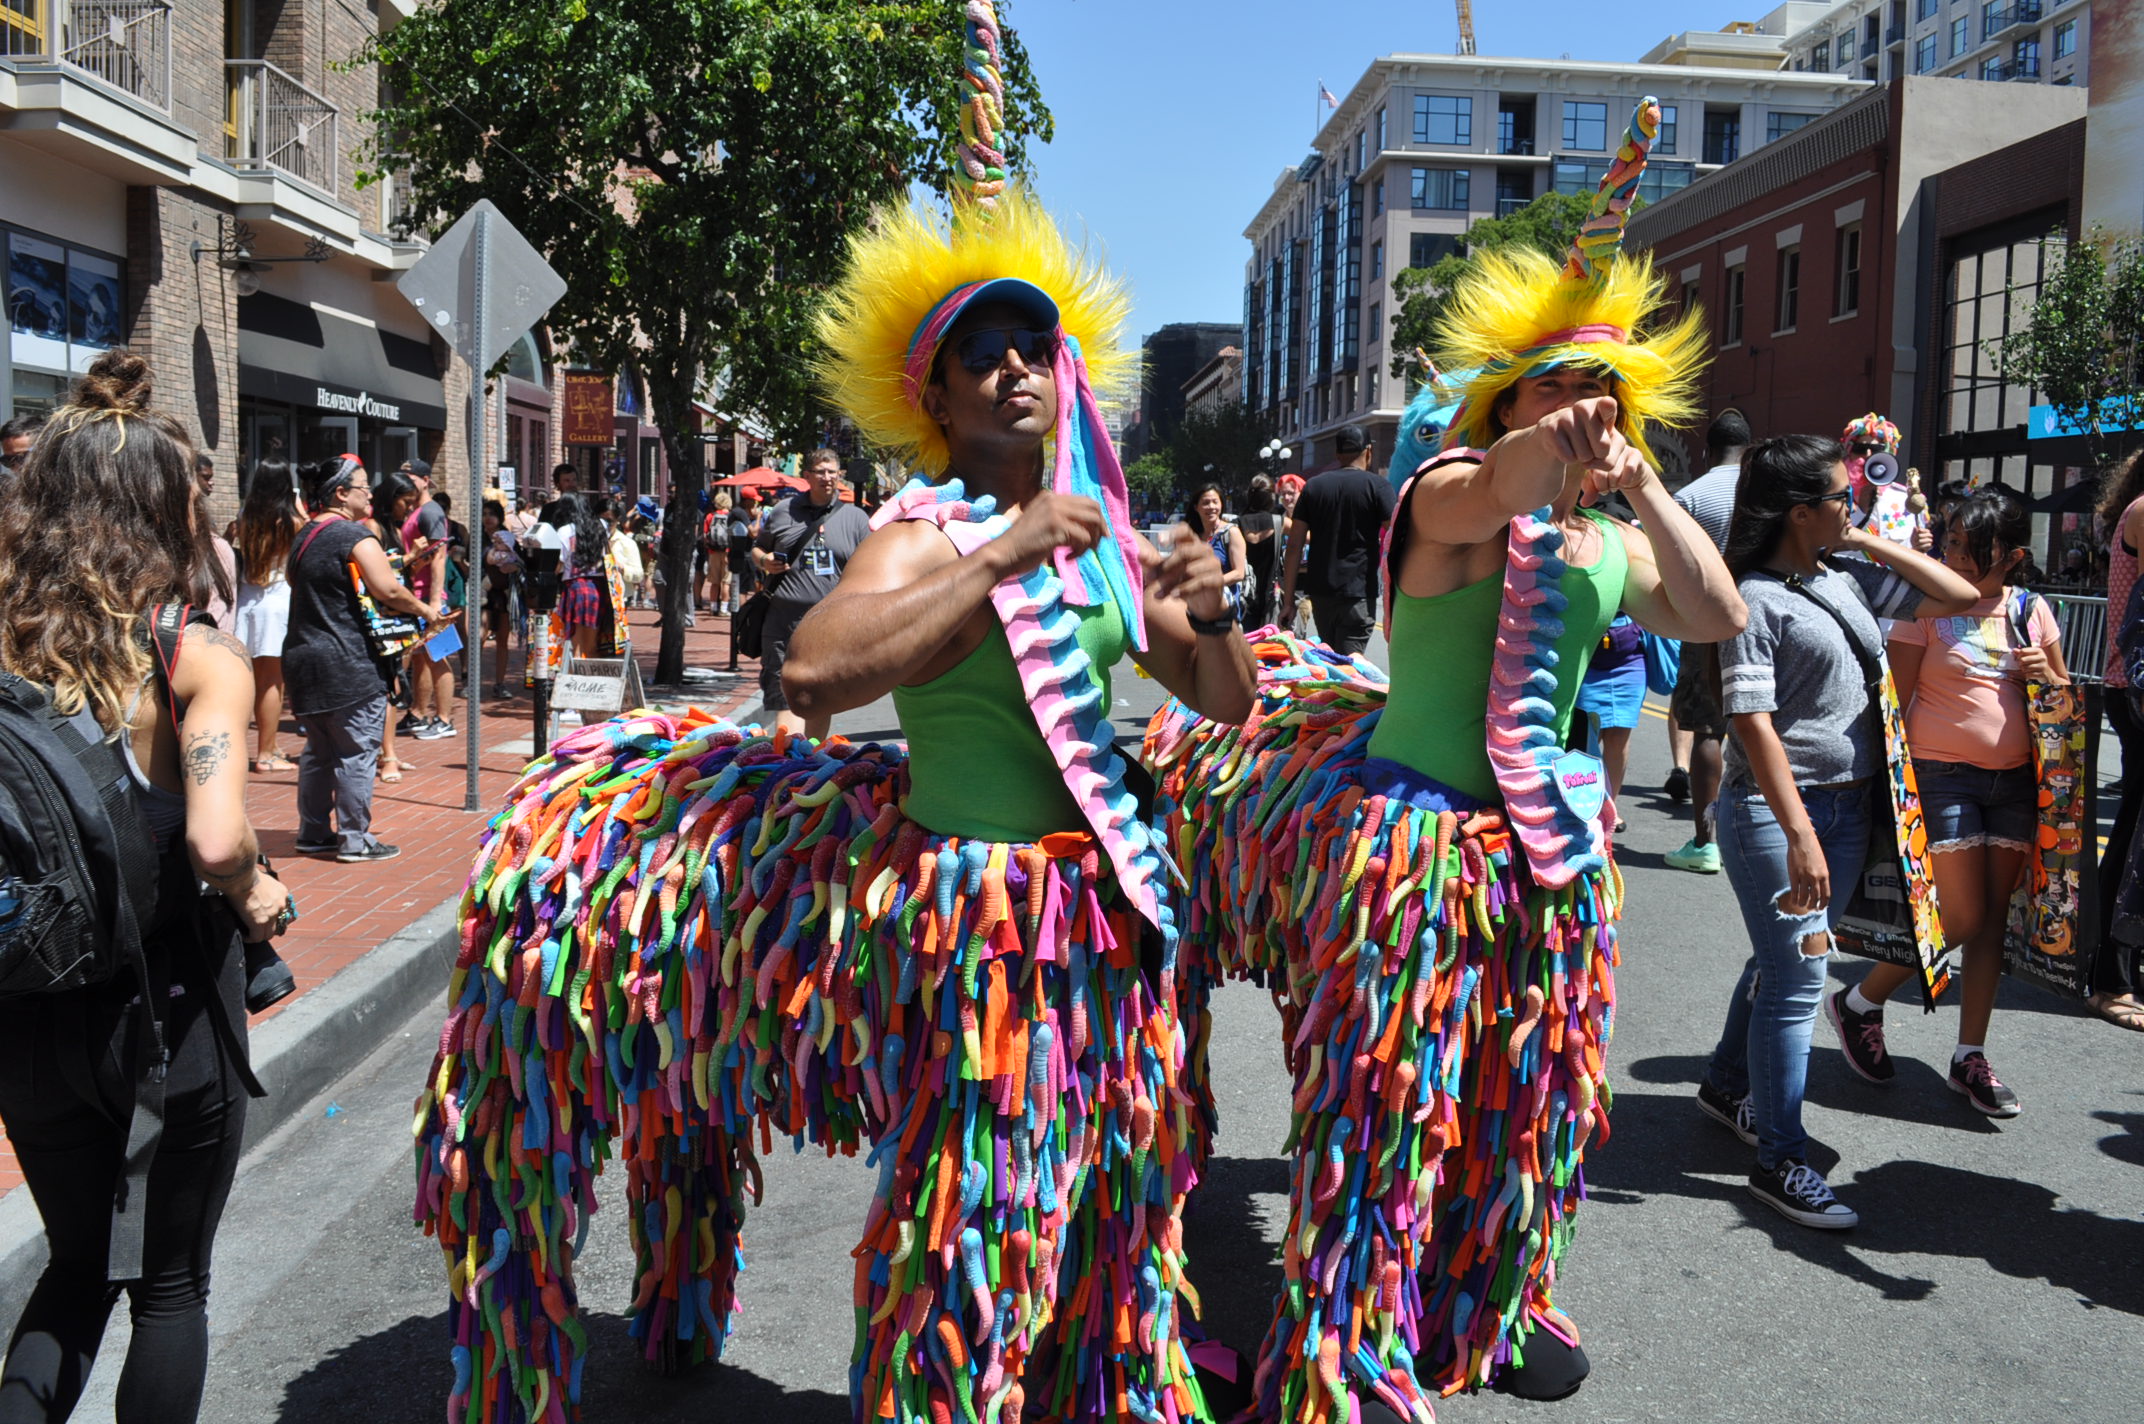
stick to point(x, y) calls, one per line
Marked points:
point(1801, 776)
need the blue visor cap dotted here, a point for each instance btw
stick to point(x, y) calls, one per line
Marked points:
point(1542, 368)
point(1024, 297)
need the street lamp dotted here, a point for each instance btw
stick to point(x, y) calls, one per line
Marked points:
point(1275, 455)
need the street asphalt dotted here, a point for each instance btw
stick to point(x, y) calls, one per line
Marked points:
point(1997, 1274)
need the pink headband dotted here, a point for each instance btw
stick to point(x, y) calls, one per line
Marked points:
point(1575, 335)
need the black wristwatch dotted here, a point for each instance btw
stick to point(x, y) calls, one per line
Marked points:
point(1213, 627)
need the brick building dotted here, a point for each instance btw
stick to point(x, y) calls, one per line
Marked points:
point(180, 178)
point(1848, 267)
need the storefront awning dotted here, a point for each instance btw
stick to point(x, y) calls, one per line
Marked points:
point(291, 352)
point(749, 427)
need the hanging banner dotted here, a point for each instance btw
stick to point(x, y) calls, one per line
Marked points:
point(588, 410)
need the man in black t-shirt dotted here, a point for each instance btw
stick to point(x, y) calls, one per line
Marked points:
point(1345, 509)
point(804, 544)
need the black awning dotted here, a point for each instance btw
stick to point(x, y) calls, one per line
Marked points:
point(297, 354)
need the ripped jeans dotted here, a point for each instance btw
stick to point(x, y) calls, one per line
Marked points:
point(1764, 1048)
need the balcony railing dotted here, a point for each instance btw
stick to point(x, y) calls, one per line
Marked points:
point(279, 123)
point(1505, 207)
point(2024, 12)
point(2003, 70)
point(124, 43)
point(1895, 35)
point(1520, 147)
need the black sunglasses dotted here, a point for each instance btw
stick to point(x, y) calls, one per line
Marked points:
point(1843, 496)
point(981, 351)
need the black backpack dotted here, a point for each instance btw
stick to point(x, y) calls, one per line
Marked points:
point(79, 874)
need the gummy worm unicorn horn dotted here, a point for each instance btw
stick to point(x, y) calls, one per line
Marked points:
point(1600, 237)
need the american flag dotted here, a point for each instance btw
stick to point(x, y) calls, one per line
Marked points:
point(1327, 95)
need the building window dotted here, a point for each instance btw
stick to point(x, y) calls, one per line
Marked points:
point(1585, 125)
point(1377, 260)
point(1790, 289)
point(1443, 118)
point(1380, 130)
point(2025, 59)
point(1731, 309)
point(1666, 142)
point(1362, 144)
point(1377, 323)
point(1922, 9)
point(1990, 68)
point(1989, 293)
point(1377, 198)
point(1777, 126)
point(1820, 57)
point(1441, 188)
point(1723, 135)
point(1846, 300)
point(2066, 39)
point(1990, 16)
point(1924, 54)
point(1577, 175)
point(64, 307)
point(1427, 249)
point(1845, 47)
point(1961, 35)
point(1661, 179)
point(1689, 296)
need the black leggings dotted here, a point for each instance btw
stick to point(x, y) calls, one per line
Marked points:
point(2114, 972)
point(66, 1110)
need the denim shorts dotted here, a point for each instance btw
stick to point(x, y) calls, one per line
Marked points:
point(1968, 806)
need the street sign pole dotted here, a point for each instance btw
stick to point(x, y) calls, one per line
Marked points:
point(473, 521)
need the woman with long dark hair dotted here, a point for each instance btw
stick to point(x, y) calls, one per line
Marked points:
point(1798, 799)
point(267, 522)
point(394, 496)
point(75, 615)
point(1961, 682)
point(1206, 520)
point(1260, 527)
point(580, 603)
point(2120, 513)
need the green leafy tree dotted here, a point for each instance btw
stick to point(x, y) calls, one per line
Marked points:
point(1153, 476)
point(2080, 347)
point(1224, 437)
point(1548, 224)
point(692, 168)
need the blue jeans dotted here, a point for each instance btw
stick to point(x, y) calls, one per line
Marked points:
point(1764, 1048)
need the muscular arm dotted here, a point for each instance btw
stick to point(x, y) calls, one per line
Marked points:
point(1678, 586)
point(380, 581)
point(1215, 676)
point(904, 595)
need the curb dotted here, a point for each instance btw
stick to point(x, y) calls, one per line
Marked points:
point(298, 1053)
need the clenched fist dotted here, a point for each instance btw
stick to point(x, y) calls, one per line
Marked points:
point(1585, 434)
point(1047, 523)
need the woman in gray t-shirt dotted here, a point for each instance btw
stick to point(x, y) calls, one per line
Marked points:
point(1794, 813)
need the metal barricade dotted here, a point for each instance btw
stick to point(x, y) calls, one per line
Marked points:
point(2083, 621)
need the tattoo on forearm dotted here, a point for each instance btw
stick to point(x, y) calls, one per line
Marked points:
point(206, 753)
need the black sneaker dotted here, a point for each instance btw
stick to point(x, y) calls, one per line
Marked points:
point(1678, 785)
point(378, 850)
point(410, 724)
point(268, 985)
point(1972, 1076)
point(1734, 1114)
point(1797, 1191)
point(1860, 1039)
point(317, 847)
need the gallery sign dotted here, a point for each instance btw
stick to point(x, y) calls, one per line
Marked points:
point(588, 410)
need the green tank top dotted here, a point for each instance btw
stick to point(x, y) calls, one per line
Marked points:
point(1437, 708)
point(978, 766)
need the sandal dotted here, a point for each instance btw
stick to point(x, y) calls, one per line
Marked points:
point(390, 770)
point(2121, 1010)
point(274, 762)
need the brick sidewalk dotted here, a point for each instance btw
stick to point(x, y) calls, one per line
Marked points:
point(346, 910)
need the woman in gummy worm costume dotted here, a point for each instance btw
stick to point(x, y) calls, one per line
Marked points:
point(963, 959)
point(1422, 874)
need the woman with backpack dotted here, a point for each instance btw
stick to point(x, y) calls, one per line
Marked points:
point(1961, 683)
point(1800, 790)
point(94, 620)
point(715, 541)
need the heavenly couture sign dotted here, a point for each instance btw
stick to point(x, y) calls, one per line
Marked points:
point(355, 403)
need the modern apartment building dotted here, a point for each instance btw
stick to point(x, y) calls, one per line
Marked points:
point(1423, 146)
point(2029, 41)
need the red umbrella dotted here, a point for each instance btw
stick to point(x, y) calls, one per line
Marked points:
point(760, 477)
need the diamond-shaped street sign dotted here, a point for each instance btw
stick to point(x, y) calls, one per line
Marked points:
point(518, 288)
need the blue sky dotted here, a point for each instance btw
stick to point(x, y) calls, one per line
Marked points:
point(1174, 116)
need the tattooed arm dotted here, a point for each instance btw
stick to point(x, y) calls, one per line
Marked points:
point(213, 682)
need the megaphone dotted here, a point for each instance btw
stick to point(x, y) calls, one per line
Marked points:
point(1881, 469)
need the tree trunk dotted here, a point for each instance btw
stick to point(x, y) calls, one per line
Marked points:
point(672, 400)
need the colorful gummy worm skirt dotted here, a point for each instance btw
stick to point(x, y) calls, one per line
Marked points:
point(681, 938)
point(1444, 1020)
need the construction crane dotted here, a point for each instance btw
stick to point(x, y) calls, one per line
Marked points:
point(1466, 27)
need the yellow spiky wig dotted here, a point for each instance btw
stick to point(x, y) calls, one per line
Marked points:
point(900, 271)
point(1517, 313)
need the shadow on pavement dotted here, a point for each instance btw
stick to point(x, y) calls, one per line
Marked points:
point(1233, 1264)
point(402, 1373)
point(2127, 1145)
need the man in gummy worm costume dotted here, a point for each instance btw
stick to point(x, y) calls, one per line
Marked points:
point(962, 958)
point(1421, 873)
